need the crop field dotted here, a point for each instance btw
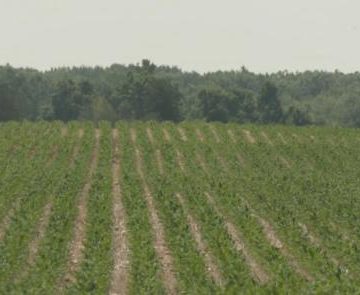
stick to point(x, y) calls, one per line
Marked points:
point(190, 208)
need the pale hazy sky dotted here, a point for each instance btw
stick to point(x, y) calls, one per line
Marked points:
point(202, 35)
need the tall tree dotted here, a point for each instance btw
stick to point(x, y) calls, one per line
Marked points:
point(269, 104)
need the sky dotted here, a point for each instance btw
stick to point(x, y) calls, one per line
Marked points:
point(199, 35)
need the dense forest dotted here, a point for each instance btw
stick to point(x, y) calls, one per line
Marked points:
point(148, 92)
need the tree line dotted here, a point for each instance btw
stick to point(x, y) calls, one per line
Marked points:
point(145, 91)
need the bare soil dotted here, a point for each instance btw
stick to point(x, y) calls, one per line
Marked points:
point(45, 218)
point(266, 137)
point(202, 163)
point(160, 162)
point(182, 134)
point(180, 160)
point(257, 271)
point(241, 159)
point(199, 135)
point(273, 239)
point(231, 135)
point(64, 131)
point(77, 244)
point(248, 136)
point(161, 248)
point(5, 223)
point(285, 162)
point(150, 136)
point(119, 277)
point(77, 149)
point(282, 138)
point(54, 153)
point(166, 135)
point(211, 266)
point(133, 135)
point(215, 134)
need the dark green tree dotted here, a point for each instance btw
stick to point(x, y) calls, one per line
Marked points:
point(270, 110)
point(144, 96)
point(72, 101)
point(215, 104)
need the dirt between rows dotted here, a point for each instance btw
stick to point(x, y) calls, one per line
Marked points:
point(166, 135)
point(182, 134)
point(258, 273)
point(180, 160)
point(150, 136)
point(285, 162)
point(77, 244)
point(133, 135)
point(266, 138)
point(202, 163)
point(231, 135)
point(5, 223)
point(315, 241)
point(44, 221)
point(64, 131)
point(159, 162)
point(248, 136)
point(282, 138)
point(162, 251)
point(119, 277)
point(199, 135)
point(211, 266)
point(215, 134)
point(273, 239)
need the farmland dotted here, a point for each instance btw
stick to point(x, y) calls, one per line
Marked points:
point(193, 208)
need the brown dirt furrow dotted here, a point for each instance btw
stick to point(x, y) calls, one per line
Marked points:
point(166, 135)
point(266, 138)
point(180, 160)
point(222, 163)
point(215, 134)
point(282, 138)
point(182, 134)
point(202, 163)
point(32, 153)
point(5, 223)
point(315, 241)
point(77, 149)
point(199, 135)
point(64, 131)
point(150, 135)
point(343, 234)
point(256, 270)
point(159, 162)
point(241, 159)
point(162, 251)
point(210, 264)
point(119, 278)
point(133, 135)
point(285, 162)
point(248, 136)
point(44, 219)
point(81, 133)
point(77, 243)
point(231, 135)
point(273, 239)
point(53, 155)
point(40, 233)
